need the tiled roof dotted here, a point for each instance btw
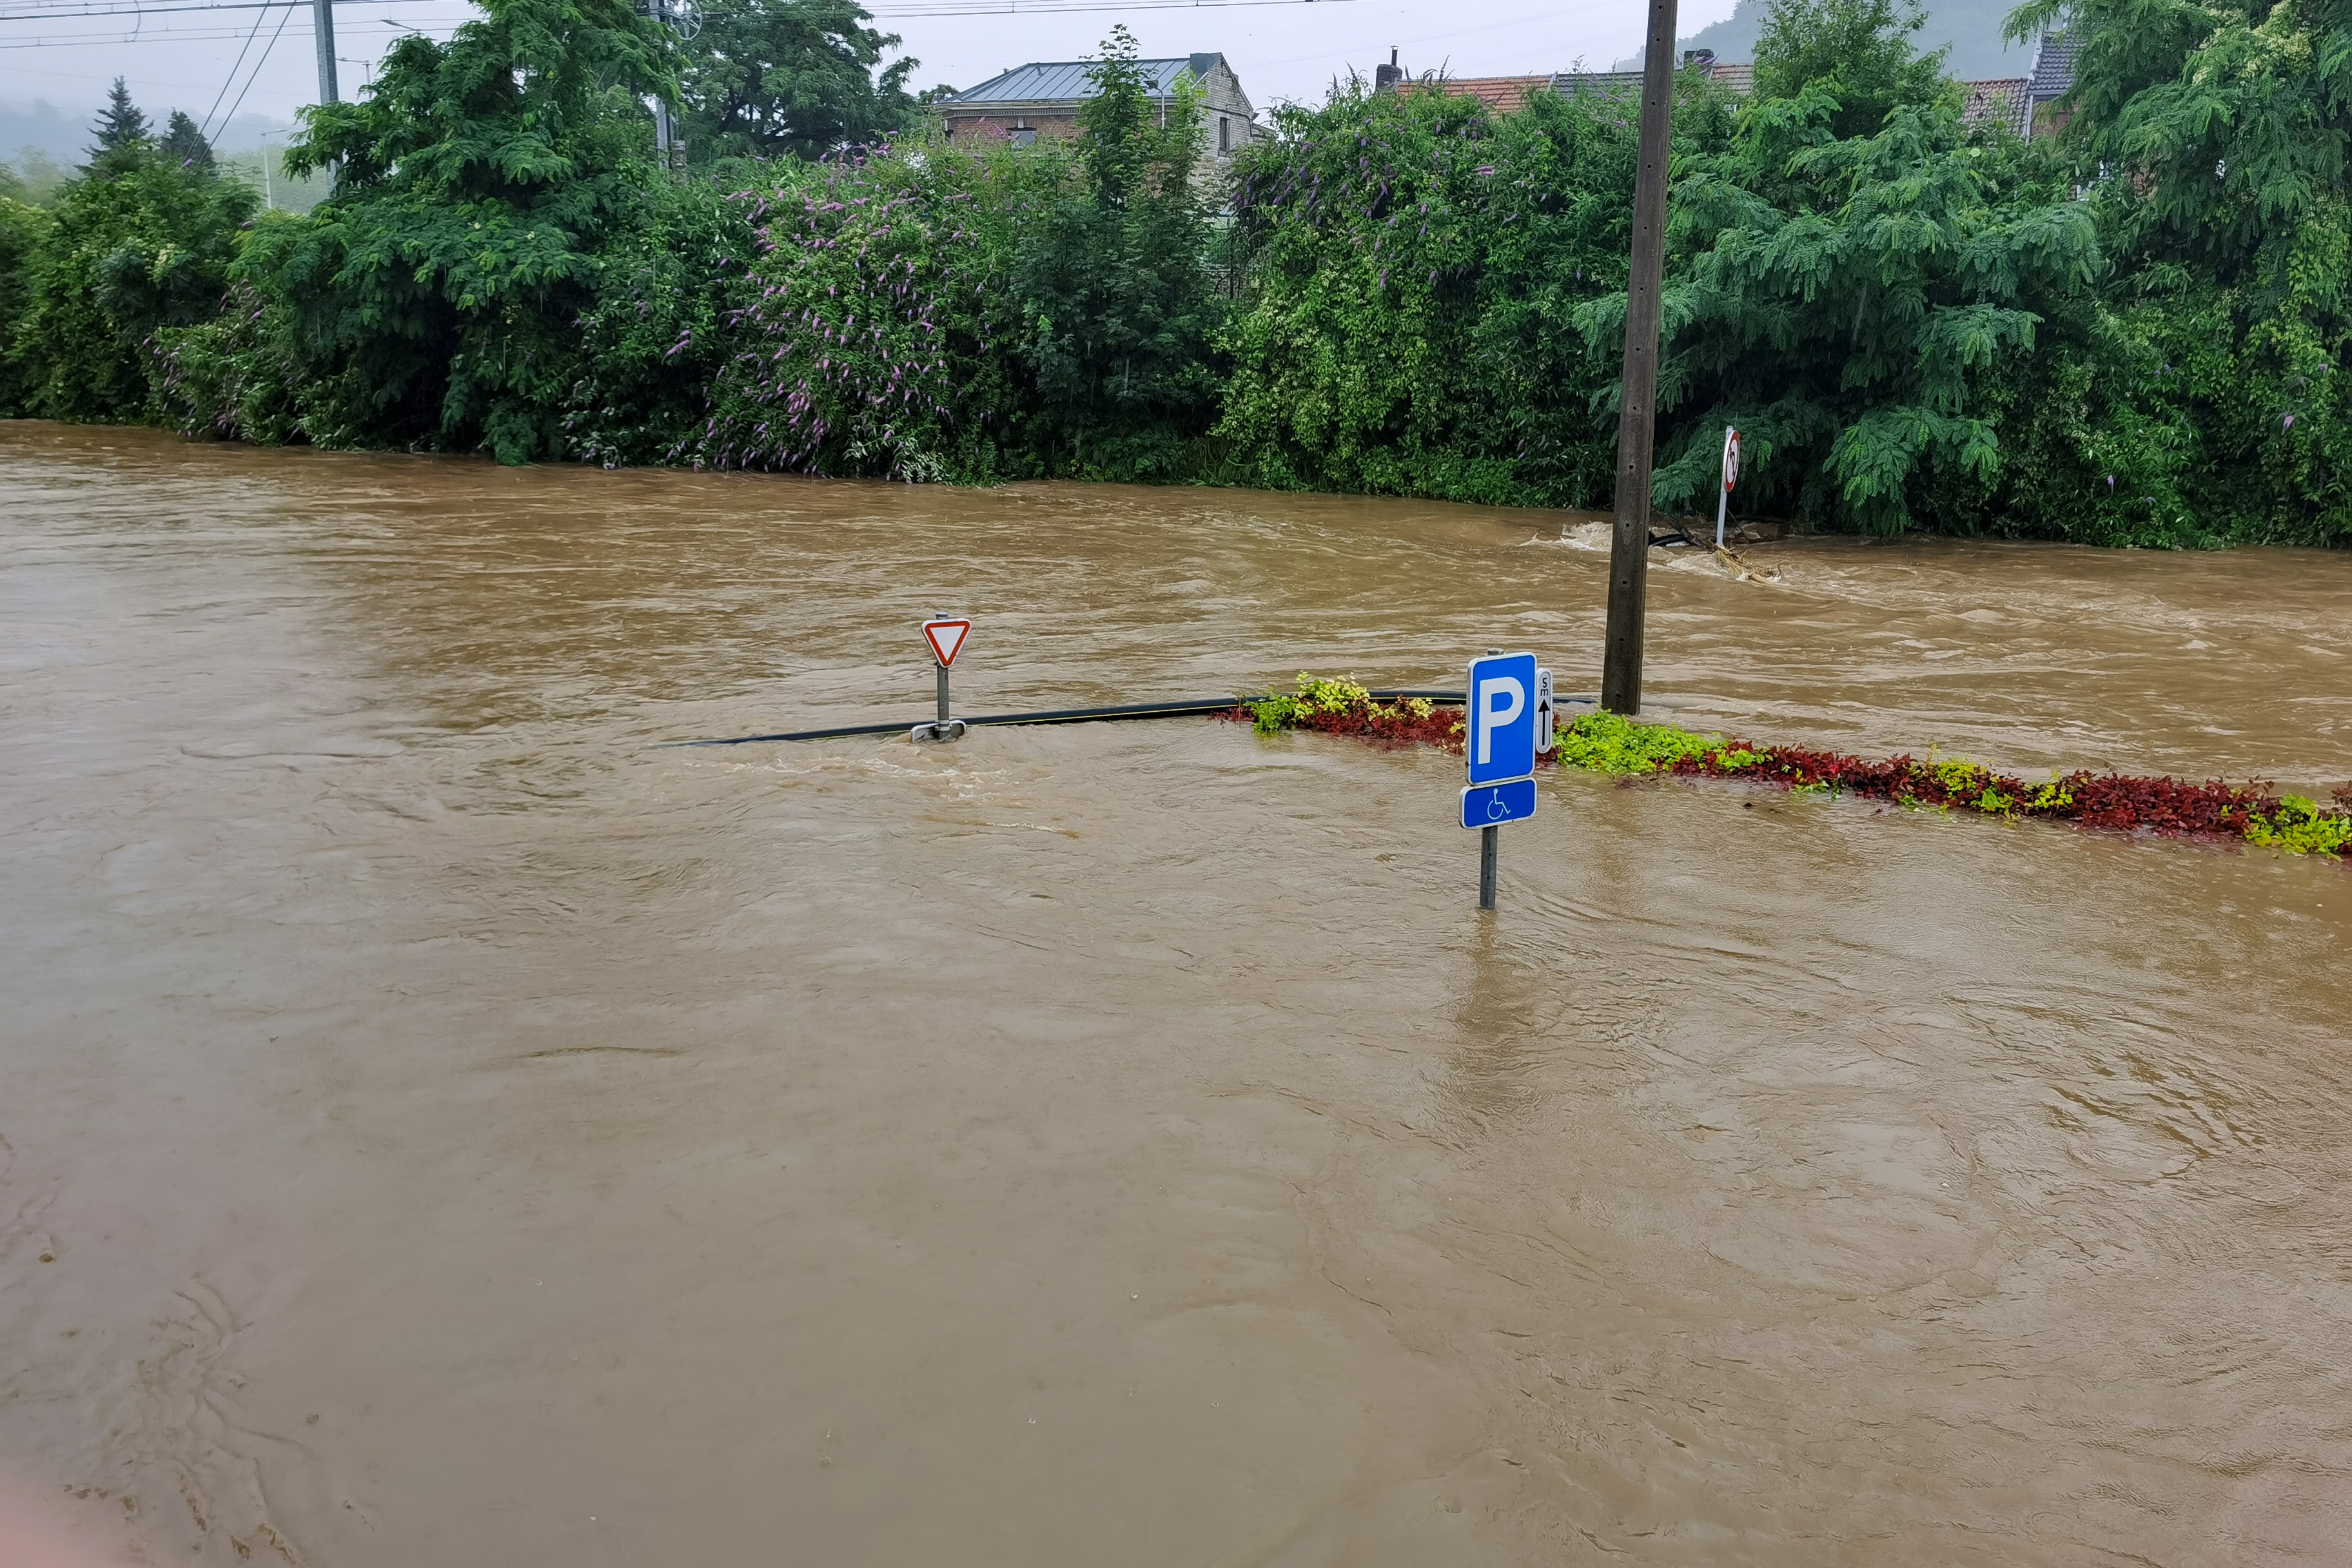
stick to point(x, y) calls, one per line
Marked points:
point(2000, 102)
point(1741, 79)
point(2054, 69)
point(1597, 81)
point(1067, 81)
point(1505, 94)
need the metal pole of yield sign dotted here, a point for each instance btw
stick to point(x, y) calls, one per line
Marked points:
point(946, 634)
point(1498, 749)
point(1730, 477)
point(1629, 550)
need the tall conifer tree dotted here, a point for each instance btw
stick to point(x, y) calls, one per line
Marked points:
point(120, 127)
point(185, 145)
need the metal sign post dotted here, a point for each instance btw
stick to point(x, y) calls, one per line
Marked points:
point(1498, 747)
point(946, 637)
point(1730, 477)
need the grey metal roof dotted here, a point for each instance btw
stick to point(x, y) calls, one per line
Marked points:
point(1066, 81)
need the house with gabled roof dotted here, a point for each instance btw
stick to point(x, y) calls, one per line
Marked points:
point(2051, 79)
point(1042, 99)
point(2023, 104)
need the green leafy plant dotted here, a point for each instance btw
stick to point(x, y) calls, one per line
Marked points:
point(2301, 827)
point(1120, 319)
point(135, 245)
point(1320, 697)
point(1612, 743)
point(1410, 263)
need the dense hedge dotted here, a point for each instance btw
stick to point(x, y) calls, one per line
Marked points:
point(2127, 335)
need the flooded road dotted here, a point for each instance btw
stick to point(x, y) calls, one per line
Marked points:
point(443, 1126)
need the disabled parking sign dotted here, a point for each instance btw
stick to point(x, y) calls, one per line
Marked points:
point(1491, 805)
point(1508, 717)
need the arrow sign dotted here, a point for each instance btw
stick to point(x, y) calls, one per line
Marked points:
point(945, 639)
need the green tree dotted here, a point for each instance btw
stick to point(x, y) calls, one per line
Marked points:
point(120, 128)
point(1858, 52)
point(1412, 268)
point(769, 79)
point(23, 228)
point(1121, 316)
point(478, 180)
point(136, 245)
point(2216, 141)
point(1851, 322)
point(36, 176)
point(185, 145)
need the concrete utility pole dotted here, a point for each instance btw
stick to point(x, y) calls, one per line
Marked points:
point(322, 26)
point(1637, 417)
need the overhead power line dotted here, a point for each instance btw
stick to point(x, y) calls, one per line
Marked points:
point(81, 9)
point(284, 18)
point(230, 80)
point(72, 10)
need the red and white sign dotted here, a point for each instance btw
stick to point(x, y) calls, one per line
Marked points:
point(945, 639)
point(1730, 458)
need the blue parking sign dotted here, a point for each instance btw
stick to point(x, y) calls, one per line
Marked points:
point(1499, 739)
point(1491, 805)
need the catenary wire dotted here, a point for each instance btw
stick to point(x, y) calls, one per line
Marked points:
point(230, 80)
point(266, 50)
point(83, 11)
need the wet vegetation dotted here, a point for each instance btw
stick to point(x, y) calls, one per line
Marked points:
point(2126, 334)
point(1610, 743)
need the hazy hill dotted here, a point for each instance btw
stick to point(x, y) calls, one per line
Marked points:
point(64, 134)
point(1971, 28)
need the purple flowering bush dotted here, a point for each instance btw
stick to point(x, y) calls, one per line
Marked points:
point(879, 330)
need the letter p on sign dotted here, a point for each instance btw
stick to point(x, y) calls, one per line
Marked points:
point(1500, 700)
point(1502, 718)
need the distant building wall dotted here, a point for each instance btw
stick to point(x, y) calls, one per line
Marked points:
point(996, 110)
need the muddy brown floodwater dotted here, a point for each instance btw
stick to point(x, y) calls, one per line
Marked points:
point(442, 1127)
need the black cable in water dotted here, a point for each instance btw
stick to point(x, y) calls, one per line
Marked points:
point(1181, 708)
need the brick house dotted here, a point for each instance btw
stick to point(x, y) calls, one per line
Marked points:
point(2023, 104)
point(1041, 99)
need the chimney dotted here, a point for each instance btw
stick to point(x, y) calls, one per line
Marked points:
point(1385, 77)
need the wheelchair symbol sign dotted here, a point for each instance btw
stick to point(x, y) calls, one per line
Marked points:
point(1491, 805)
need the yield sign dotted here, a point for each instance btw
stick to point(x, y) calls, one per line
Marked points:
point(946, 637)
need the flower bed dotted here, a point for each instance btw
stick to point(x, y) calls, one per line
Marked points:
point(1609, 743)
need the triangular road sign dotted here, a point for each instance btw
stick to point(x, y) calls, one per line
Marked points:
point(945, 639)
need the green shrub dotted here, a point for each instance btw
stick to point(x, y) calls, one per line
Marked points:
point(134, 245)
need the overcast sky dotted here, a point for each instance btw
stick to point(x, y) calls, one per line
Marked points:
point(189, 59)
